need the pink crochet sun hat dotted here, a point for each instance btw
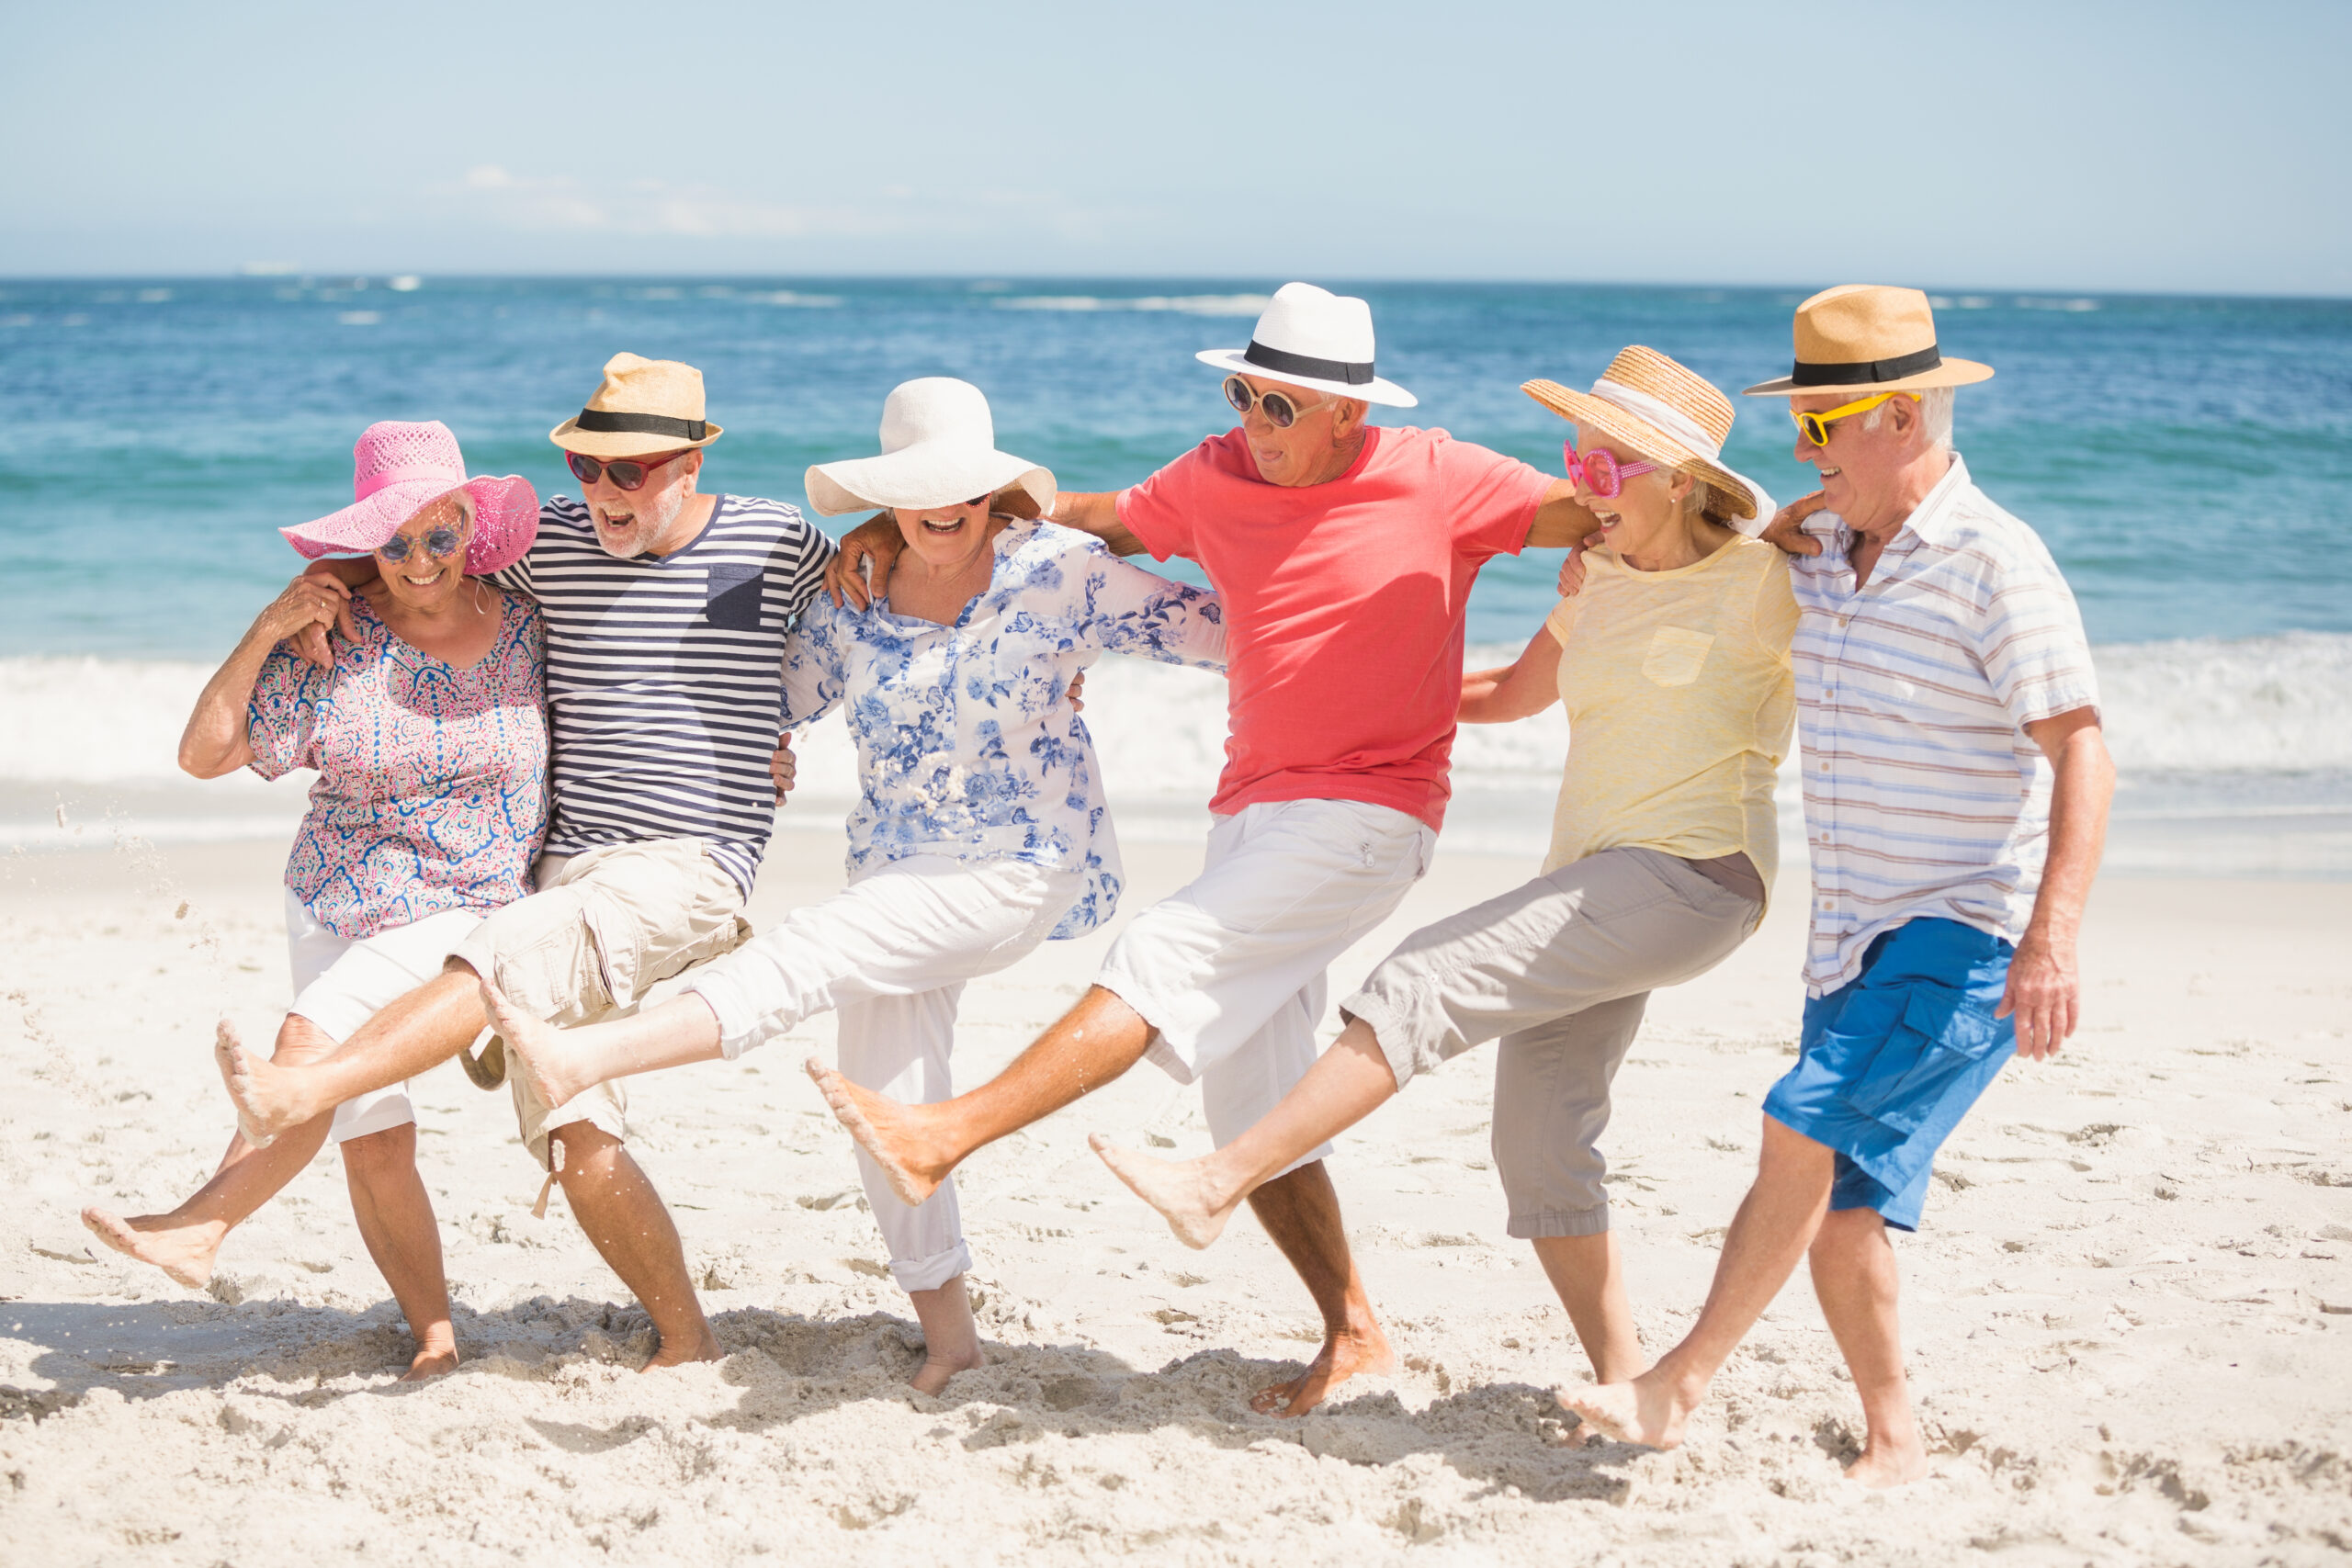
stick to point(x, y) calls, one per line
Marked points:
point(396, 469)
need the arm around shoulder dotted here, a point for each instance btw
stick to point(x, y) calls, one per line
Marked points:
point(1096, 513)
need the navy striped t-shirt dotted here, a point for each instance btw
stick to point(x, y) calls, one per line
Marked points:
point(663, 676)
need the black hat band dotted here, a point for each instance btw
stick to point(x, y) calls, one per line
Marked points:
point(639, 424)
point(1284, 363)
point(1865, 371)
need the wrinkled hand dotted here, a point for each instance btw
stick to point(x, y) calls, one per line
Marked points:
point(1078, 693)
point(782, 766)
point(302, 612)
point(2043, 994)
point(1572, 569)
point(1785, 530)
point(874, 545)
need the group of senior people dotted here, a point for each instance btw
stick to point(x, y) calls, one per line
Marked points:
point(1919, 639)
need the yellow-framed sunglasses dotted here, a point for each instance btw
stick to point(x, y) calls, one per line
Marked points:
point(1816, 425)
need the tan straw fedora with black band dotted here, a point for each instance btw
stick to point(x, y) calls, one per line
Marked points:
point(644, 406)
point(1666, 411)
point(1865, 338)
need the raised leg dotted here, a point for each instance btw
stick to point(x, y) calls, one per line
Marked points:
point(1775, 1225)
point(563, 1064)
point(1196, 1197)
point(916, 1145)
point(184, 1242)
point(421, 1030)
point(395, 1217)
point(626, 1221)
point(1590, 1275)
point(1301, 1213)
point(1855, 1277)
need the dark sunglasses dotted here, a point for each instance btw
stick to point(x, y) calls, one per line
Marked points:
point(627, 473)
point(439, 544)
point(1281, 411)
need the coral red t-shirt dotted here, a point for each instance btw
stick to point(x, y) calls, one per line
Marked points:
point(1344, 605)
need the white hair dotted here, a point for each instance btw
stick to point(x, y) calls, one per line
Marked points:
point(1935, 415)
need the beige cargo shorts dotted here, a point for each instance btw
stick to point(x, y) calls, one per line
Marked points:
point(604, 927)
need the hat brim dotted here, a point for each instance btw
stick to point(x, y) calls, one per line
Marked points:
point(506, 520)
point(1585, 410)
point(624, 443)
point(1379, 390)
point(928, 474)
point(1951, 373)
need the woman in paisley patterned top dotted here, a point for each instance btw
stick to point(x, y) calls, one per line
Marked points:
point(980, 830)
point(429, 739)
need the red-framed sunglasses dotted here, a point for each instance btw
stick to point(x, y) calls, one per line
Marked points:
point(627, 473)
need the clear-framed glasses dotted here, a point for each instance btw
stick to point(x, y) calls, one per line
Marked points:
point(1282, 409)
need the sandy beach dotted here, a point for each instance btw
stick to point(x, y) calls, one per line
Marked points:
point(2125, 1315)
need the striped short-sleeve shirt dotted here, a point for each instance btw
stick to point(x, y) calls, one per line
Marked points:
point(664, 676)
point(1923, 794)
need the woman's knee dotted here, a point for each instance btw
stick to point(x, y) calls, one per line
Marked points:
point(372, 1156)
point(299, 1040)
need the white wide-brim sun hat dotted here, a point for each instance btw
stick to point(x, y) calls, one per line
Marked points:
point(1311, 337)
point(938, 450)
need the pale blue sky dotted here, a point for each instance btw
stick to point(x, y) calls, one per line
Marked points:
point(2083, 147)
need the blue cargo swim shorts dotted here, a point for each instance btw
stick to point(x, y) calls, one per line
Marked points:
point(1890, 1062)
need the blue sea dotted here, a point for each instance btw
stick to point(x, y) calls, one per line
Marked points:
point(2188, 461)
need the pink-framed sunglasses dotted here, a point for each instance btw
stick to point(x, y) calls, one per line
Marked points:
point(1602, 473)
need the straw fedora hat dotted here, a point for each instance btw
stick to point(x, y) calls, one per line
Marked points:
point(1865, 338)
point(938, 450)
point(644, 406)
point(397, 470)
point(1312, 337)
point(1651, 404)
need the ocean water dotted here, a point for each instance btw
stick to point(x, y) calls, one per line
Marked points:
point(2188, 460)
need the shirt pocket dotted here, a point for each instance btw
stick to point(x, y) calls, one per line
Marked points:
point(1675, 655)
point(733, 603)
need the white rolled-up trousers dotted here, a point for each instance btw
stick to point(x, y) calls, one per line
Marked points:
point(890, 956)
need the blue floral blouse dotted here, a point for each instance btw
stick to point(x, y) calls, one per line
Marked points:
point(967, 743)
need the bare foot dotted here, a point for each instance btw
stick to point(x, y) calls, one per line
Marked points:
point(268, 1098)
point(1179, 1189)
point(704, 1350)
point(1888, 1464)
point(433, 1359)
point(1650, 1410)
point(1344, 1355)
point(535, 1046)
point(886, 1130)
point(184, 1252)
point(938, 1366)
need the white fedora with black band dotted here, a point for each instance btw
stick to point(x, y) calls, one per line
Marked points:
point(1311, 337)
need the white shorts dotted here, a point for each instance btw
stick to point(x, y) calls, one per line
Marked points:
point(1229, 971)
point(891, 954)
point(341, 982)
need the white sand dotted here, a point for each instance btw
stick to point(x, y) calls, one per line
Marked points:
point(2128, 1316)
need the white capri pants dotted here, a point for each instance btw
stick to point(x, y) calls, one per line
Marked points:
point(890, 954)
point(1231, 970)
point(341, 982)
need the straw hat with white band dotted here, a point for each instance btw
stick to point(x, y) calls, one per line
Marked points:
point(644, 406)
point(938, 450)
point(1311, 337)
point(1860, 338)
point(1669, 414)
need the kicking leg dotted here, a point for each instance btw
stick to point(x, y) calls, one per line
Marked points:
point(626, 1221)
point(184, 1242)
point(1855, 1277)
point(395, 1215)
point(421, 1030)
point(563, 1064)
point(918, 1145)
point(1773, 1229)
point(1196, 1197)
